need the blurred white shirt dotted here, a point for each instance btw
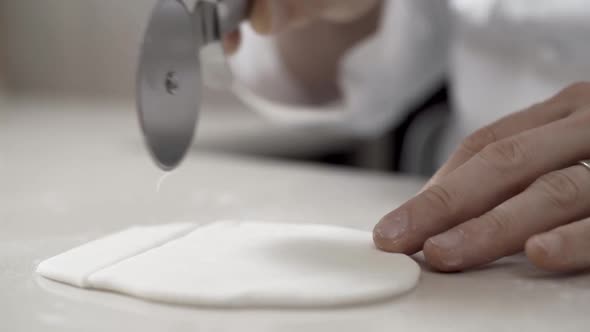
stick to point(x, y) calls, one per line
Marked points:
point(500, 56)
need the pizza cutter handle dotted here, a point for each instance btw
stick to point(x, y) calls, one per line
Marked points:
point(230, 14)
point(215, 18)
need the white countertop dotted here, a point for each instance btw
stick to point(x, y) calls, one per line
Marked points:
point(70, 173)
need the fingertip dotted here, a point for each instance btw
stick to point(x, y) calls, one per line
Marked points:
point(544, 252)
point(534, 252)
point(439, 259)
point(393, 234)
point(231, 42)
point(381, 240)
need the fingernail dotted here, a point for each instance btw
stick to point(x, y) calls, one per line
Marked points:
point(394, 226)
point(449, 240)
point(549, 243)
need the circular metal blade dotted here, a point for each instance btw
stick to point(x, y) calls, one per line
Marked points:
point(168, 83)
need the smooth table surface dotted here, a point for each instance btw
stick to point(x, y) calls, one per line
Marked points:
point(68, 177)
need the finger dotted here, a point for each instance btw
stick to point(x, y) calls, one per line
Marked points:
point(552, 110)
point(343, 11)
point(559, 106)
point(564, 249)
point(553, 200)
point(273, 16)
point(498, 172)
point(260, 16)
point(231, 42)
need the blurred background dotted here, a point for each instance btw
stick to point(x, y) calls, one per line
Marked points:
point(83, 53)
point(69, 48)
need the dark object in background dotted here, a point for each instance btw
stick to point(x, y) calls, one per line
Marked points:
point(410, 148)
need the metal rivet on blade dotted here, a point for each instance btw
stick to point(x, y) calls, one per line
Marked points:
point(171, 83)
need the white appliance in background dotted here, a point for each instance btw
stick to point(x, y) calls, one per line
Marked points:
point(88, 50)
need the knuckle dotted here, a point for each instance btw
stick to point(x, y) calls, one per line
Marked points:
point(559, 188)
point(479, 140)
point(505, 155)
point(553, 103)
point(441, 198)
point(558, 105)
point(576, 93)
point(577, 88)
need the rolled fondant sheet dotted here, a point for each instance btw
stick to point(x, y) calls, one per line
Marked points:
point(75, 266)
point(239, 264)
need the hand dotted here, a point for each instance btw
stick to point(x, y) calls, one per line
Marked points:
point(273, 16)
point(514, 185)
